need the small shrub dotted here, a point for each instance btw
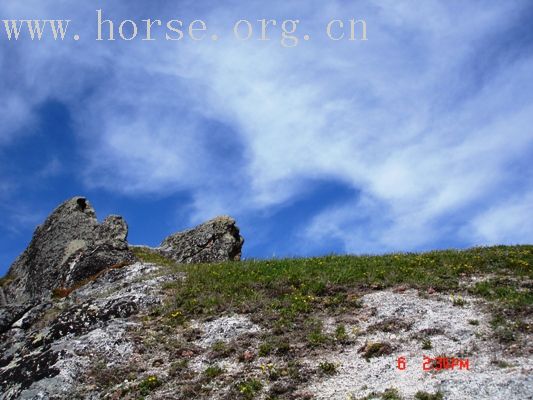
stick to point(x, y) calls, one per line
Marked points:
point(426, 344)
point(220, 349)
point(103, 375)
point(502, 364)
point(265, 349)
point(213, 371)
point(504, 334)
point(271, 371)
point(316, 337)
point(370, 350)
point(294, 371)
point(391, 325)
point(283, 347)
point(473, 322)
point(149, 384)
point(328, 368)
point(340, 333)
point(428, 396)
point(504, 330)
point(249, 388)
point(458, 301)
point(219, 346)
point(178, 366)
point(391, 394)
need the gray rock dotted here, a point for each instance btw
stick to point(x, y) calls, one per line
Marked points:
point(49, 345)
point(214, 241)
point(66, 337)
point(68, 247)
point(9, 314)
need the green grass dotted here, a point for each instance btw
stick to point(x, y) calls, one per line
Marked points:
point(458, 301)
point(213, 371)
point(149, 384)
point(221, 349)
point(389, 394)
point(315, 336)
point(265, 349)
point(328, 368)
point(287, 294)
point(426, 344)
point(428, 396)
point(340, 333)
point(148, 255)
point(292, 296)
point(504, 328)
point(504, 291)
point(248, 389)
point(293, 286)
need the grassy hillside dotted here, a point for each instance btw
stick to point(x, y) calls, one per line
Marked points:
point(287, 293)
point(307, 311)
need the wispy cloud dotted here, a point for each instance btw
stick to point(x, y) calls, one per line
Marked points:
point(508, 222)
point(423, 120)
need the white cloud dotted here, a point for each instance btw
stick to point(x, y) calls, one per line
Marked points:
point(505, 223)
point(15, 114)
point(402, 118)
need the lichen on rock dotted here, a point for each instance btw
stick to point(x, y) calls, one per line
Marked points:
point(214, 241)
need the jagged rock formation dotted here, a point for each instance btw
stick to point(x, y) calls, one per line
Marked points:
point(213, 241)
point(53, 316)
point(68, 247)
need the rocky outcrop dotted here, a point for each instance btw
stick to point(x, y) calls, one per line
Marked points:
point(72, 246)
point(214, 241)
point(55, 343)
point(75, 295)
point(67, 248)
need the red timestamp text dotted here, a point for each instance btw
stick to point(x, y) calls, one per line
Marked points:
point(438, 363)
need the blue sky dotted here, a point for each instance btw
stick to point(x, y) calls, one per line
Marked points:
point(419, 138)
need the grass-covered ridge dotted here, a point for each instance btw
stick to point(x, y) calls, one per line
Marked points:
point(282, 290)
point(293, 299)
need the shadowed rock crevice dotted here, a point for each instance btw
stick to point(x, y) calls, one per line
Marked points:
point(30, 369)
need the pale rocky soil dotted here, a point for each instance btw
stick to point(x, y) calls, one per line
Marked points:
point(453, 335)
point(493, 372)
point(128, 345)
